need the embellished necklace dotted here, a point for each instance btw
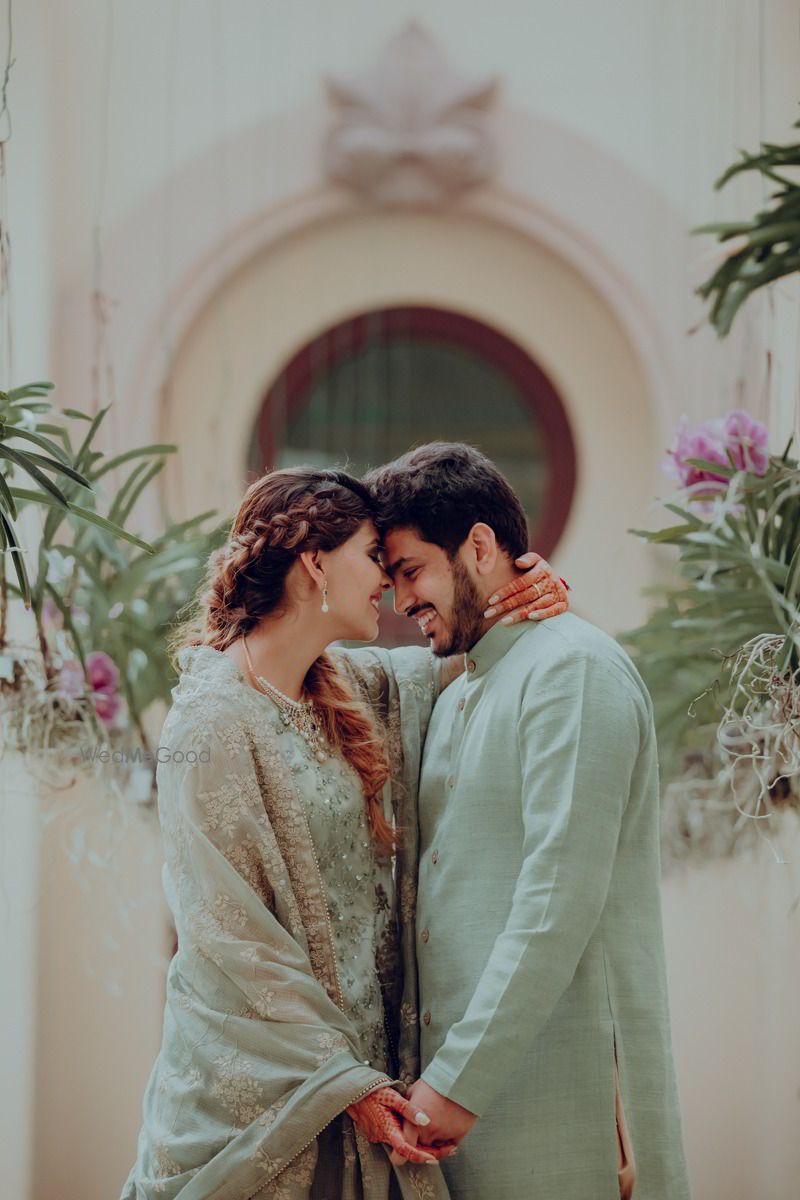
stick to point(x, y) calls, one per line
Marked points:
point(300, 714)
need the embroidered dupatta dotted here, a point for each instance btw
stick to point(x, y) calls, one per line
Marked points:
point(257, 1056)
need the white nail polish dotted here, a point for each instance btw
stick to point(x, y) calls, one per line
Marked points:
point(421, 1118)
point(506, 620)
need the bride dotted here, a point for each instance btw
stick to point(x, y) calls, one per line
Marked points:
point(288, 816)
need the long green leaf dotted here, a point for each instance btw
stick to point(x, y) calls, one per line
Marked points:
point(43, 443)
point(121, 510)
point(51, 464)
point(7, 499)
point(86, 514)
point(78, 415)
point(12, 547)
point(140, 452)
point(85, 445)
point(673, 533)
point(29, 389)
point(704, 464)
point(22, 460)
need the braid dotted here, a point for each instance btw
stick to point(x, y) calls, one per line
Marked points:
point(349, 727)
point(284, 513)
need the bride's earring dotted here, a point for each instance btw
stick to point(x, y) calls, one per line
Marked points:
point(325, 607)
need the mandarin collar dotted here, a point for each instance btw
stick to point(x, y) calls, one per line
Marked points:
point(492, 646)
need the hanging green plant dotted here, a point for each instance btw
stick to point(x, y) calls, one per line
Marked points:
point(721, 653)
point(763, 249)
point(101, 598)
point(19, 410)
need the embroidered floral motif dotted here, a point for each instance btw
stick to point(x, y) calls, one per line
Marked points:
point(420, 1182)
point(163, 1165)
point(233, 737)
point(298, 1174)
point(329, 1043)
point(238, 1092)
point(262, 1007)
point(247, 857)
point(223, 806)
point(409, 1015)
point(214, 920)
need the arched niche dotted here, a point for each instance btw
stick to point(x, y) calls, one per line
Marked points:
point(274, 305)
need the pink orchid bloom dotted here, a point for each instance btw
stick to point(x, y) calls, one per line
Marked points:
point(738, 437)
point(103, 678)
point(706, 441)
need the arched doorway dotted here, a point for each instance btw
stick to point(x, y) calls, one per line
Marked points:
point(371, 387)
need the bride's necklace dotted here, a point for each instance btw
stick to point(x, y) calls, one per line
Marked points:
point(300, 714)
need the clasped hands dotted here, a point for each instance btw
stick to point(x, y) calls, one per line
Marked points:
point(422, 1127)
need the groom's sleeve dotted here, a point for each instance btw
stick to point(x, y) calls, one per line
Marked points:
point(580, 732)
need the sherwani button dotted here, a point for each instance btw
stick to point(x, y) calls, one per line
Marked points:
point(435, 857)
point(451, 782)
point(461, 704)
point(426, 1016)
point(425, 935)
point(471, 665)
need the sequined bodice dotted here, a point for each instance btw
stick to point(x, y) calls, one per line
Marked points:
point(358, 884)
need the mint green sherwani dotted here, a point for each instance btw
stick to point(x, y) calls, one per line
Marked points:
point(539, 933)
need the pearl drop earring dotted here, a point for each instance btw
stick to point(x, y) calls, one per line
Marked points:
point(325, 607)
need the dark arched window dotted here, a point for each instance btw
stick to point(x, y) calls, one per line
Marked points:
point(372, 387)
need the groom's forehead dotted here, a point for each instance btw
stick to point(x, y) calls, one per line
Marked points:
point(403, 546)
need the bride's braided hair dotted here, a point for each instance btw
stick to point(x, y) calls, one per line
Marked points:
point(282, 514)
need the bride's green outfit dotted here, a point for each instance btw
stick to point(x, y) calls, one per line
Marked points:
point(293, 992)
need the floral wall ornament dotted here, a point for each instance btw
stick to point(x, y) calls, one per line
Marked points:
point(411, 132)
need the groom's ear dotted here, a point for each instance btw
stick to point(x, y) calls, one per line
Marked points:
point(484, 548)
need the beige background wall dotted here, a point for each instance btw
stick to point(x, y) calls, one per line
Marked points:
point(186, 137)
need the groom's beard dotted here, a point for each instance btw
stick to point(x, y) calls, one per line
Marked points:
point(466, 622)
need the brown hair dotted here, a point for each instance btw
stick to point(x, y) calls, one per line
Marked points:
point(442, 489)
point(282, 514)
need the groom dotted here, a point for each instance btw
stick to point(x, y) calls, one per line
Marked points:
point(543, 999)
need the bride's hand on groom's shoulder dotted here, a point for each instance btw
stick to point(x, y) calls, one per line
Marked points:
point(534, 596)
point(448, 1122)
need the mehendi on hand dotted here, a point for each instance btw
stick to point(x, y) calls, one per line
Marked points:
point(534, 596)
point(380, 1115)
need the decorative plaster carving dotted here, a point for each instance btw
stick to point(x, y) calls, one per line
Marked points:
point(411, 132)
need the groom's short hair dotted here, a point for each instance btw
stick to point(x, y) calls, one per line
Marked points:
point(441, 490)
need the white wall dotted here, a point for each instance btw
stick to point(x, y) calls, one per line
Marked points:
point(28, 169)
point(667, 90)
